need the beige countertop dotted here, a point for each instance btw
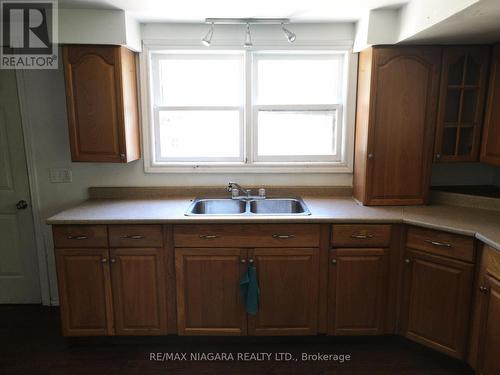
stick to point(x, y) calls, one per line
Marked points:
point(483, 224)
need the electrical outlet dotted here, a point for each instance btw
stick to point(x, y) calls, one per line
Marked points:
point(60, 175)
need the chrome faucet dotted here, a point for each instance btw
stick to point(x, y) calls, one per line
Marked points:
point(233, 185)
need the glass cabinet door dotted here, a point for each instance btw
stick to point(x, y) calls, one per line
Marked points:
point(461, 103)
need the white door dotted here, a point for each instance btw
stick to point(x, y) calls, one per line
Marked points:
point(19, 282)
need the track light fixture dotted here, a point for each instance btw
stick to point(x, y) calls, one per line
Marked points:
point(290, 36)
point(248, 38)
point(207, 40)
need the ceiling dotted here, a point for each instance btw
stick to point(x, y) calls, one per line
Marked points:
point(198, 10)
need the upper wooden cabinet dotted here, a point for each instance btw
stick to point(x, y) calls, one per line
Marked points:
point(101, 98)
point(395, 124)
point(490, 152)
point(461, 103)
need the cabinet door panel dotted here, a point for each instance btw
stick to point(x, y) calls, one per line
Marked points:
point(138, 281)
point(288, 281)
point(93, 105)
point(208, 293)
point(84, 292)
point(357, 291)
point(489, 363)
point(404, 96)
point(438, 293)
point(490, 152)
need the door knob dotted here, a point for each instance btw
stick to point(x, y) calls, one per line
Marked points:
point(22, 205)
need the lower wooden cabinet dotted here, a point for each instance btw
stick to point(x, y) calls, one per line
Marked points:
point(209, 300)
point(117, 291)
point(288, 281)
point(357, 291)
point(437, 302)
point(208, 294)
point(138, 286)
point(85, 291)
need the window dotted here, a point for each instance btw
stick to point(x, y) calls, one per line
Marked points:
point(248, 110)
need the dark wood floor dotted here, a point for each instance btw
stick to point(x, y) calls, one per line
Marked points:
point(31, 343)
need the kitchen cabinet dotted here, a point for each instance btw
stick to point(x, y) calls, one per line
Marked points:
point(211, 259)
point(208, 293)
point(102, 104)
point(395, 124)
point(490, 150)
point(461, 103)
point(105, 290)
point(288, 281)
point(485, 332)
point(357, 291)
point(358, 276)
point(437, 292)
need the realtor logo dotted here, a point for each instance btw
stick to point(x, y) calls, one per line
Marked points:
point(28, 34)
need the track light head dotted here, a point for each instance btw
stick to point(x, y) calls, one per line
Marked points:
point(248, 38)
point(207, 40)
point(290, 36)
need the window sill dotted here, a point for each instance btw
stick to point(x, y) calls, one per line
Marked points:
point(247, 168)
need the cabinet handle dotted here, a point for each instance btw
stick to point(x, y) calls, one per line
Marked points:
point(283, 236)
point(334, 261)
point(134, 237)
point(361, 236)
point(438, 156)
point(243, 261)
point(81, 237)
point(437, 243)
point(371, 156)
point(250, 260)
point(112, 260)
point(483, 289)
point(407, 261)
point(208, 236)
point(104, 260)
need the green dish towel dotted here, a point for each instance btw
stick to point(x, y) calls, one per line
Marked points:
point(249, 287)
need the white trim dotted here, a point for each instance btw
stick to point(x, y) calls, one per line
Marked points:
point(347, 114)
point(29, 148)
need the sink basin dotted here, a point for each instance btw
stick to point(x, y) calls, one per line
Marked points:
point(278, 206)
point(248, 207)
point(217, 207)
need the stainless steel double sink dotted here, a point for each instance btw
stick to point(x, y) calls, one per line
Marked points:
point(249, 207)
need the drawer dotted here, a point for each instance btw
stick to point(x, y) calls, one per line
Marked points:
point(135, 236)
point(247, 235)
point(361, 235)
point(80, 236)
point(441, 243)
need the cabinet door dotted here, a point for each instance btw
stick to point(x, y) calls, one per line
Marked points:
point(490, 152)
point(138, 281)
point(84, 292)
point(208, 293)
point(489, 350)
point(288, 281)
point(437, 302)
point(461, 103)
point(94, 105)
point(402, 123)
point(357, 291)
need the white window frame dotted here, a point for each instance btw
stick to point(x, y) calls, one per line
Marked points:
point(249, 162)
point(157, 108)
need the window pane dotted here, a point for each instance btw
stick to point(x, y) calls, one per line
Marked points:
point(296, 133)
point(199, 134)
point(201, 81)
point(298, 81)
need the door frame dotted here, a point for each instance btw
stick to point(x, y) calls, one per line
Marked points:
point(29, 150)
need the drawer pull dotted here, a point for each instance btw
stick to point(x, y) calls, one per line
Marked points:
point(103, 260)
point(70, 237)
point(437, 243)
point(483, 289)
point(283, 236)
point(134, 237)
point(208, 236)
point(361, 236)
point(334, 261)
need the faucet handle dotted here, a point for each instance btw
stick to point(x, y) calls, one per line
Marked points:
point(234, 192)
point(262, 192)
